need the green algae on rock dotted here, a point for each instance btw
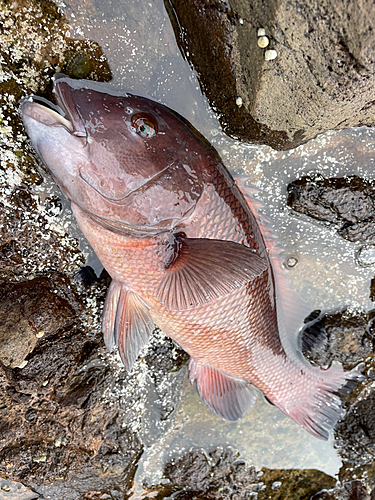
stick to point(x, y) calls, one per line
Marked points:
point(84, 59)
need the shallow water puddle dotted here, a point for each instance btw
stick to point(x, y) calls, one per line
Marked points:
point(264, 437)
point(139, 43)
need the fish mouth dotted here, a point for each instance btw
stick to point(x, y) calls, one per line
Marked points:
point(44, 112)
point(62, 114)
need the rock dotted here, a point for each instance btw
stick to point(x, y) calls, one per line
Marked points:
point(355, 435)
point(320, 75)
point(343, 336)
point(164, 360)
point(32, 237)
point(352, 490)
point(357, 491)
point(218, 475)
point(346, 202)
point(322, 495)
point(70, 421)
point(293, 484)
point(222, 475)
point(32, 311)
point(15, 491)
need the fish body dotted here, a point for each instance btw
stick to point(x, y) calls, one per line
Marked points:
point(184, 250)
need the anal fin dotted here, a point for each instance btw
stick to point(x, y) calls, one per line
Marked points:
point(126, 323)
point(228, 396)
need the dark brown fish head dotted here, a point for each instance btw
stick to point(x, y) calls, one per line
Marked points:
point(123, 158)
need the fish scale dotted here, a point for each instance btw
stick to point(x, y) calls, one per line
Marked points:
point(184, 250)
point(235, 349)
point(137, 263)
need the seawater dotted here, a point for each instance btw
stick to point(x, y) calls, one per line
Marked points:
point(138, 41)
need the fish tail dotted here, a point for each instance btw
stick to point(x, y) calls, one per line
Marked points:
point(321, 405)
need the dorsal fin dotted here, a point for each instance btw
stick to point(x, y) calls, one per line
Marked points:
point(291, 309)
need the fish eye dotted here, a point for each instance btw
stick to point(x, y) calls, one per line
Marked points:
point(144, 125)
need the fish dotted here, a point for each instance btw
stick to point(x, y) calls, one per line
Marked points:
point(186, 249)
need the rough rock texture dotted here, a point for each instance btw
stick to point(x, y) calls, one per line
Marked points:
point(346, 337)
point(347, 202)
point(352, 490)
point(355, 435)
point(69, 419)
point(322, 77)
point(52, 423)
point(222, 475)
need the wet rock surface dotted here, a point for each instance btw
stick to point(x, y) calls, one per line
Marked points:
point(315, 74)
point(222, 475)
point(353, 490)
point(355, 435)
point(347, 202)
point(30, 311)
point(69, 418)
point(346, 337)
point(52, 422)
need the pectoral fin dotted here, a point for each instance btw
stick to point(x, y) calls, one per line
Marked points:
point(126, 323)
point(228, 396)
point(199, 270)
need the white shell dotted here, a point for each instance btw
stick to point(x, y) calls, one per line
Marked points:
point(261, 32)
point(269, 55)
point(263, 41)
point(239, 101)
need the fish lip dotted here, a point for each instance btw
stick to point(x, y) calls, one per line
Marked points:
point(63, 95)
point(52, 114)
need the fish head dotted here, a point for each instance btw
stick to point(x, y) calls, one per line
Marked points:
point(120, 157)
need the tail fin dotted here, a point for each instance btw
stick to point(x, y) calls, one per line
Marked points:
point(321, 405)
